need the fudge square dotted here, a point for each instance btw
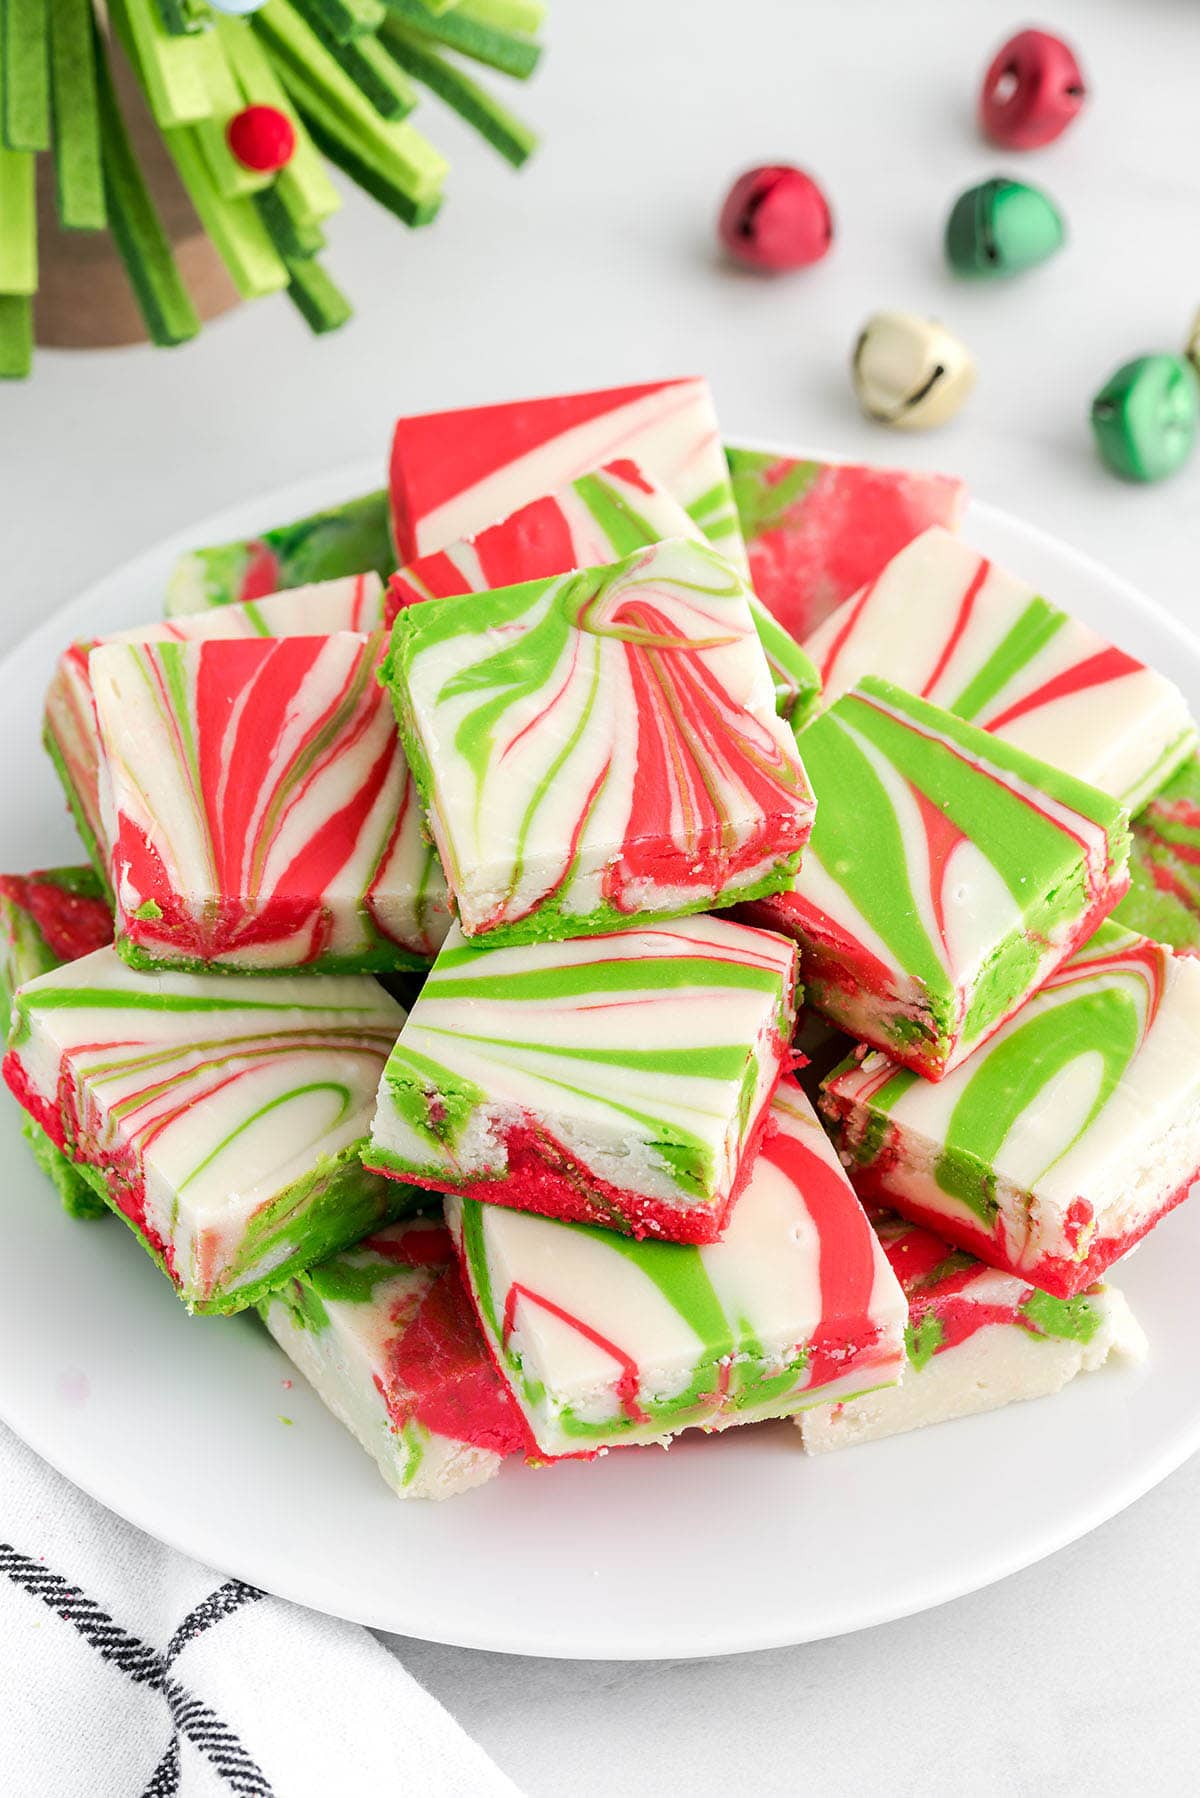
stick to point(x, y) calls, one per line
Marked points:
point(943, 621)
point(606, 1342)
point(818, 531)
point(49, 917)
point(260, 813)
point(620, 1080)
point(603, 516)
point(70, 732)
point(352, 538)
point(947, 876)
point(1163, 900)
point(452, 473)
point(52, 916)
point(221, 1118)
point(600, 747)
point(387, 1336)
point(976, 1340)
point(1064, 1139)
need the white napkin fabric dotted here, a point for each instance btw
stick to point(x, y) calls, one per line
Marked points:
point(128, 1671)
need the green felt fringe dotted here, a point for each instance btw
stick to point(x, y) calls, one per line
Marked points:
point(347, 73)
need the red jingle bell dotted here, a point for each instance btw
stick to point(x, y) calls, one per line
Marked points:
point(1031, 92)
point(262, 138)
point(775, 218)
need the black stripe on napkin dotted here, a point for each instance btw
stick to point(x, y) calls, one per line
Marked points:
point(219, 1604)
point(146, 1666)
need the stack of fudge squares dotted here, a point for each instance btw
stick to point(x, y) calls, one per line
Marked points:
point(612, 934)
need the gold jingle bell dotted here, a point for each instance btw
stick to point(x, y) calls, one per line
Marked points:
point(909, 371)
point(1192, 352)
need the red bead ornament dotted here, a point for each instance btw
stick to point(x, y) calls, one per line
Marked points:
point(262, 138)
point(774, 218)
point(1031, 92)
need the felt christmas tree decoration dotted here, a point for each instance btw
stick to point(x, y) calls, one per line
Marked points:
point(254, 99)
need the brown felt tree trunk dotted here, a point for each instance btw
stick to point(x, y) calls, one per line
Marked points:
point(84, 300)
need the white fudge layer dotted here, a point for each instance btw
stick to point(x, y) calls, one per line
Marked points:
point(669, 428)
point(943, 621)
point(604, 1341)
point(353, 603)
point(216, 1094)
point(332, 850)
point(564, 1036)
point(630, 760)
point(341, 1348)
point(1104, 1139)
point(998, 1365)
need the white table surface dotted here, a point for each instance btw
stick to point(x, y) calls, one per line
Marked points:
point(594, 266)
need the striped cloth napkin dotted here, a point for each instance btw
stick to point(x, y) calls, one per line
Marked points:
point(127, 1670)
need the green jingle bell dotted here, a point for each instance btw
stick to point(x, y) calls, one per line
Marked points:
point(1144, 417)
point(1002, 227)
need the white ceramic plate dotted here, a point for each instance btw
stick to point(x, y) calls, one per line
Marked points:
point(189, 1428)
